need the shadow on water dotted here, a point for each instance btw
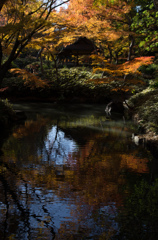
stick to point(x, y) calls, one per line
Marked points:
point(69, 172)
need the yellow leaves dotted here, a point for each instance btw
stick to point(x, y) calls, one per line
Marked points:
point(95, 20)
point(98, 60)
point(21, 17)
point(29, 78)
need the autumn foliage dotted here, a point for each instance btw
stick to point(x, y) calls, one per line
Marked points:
point(133, 66)
point(121, 72)
point(29, 79)
point(49, 26)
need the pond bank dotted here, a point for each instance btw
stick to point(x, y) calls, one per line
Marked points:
point(145, 114)
point(144, 107)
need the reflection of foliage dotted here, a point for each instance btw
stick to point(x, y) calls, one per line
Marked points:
point(82, 166)
point(140, 213)
point(29, 127)
point(16, 197)
point(89, 175)
point(134, 163)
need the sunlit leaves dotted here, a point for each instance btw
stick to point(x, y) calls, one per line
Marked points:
point(119, 73)
point(132, 66)
point(121, 69)
point(95, 21)
point(21, 21)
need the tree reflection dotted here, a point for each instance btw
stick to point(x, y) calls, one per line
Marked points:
point(48, 162)
point(16, 197)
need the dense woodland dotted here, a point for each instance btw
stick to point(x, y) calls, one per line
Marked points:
point(124, 66)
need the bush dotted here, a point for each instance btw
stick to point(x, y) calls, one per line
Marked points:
point(145, 104)
point(149, 69)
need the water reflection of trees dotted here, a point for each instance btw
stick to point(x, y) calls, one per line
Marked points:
point(92, 172)
point(16, 197)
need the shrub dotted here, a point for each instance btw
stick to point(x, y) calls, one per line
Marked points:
point(149, 69)
point(145, 104)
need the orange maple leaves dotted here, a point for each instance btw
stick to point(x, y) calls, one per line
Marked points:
point(118, 73)
point(133, 66)
point(125, 68)
point(30, 79)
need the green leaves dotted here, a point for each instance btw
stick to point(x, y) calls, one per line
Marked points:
point(145, 26)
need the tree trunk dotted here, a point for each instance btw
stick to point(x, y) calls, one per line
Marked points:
point(56, 68)
point(77, 62)
point(1, 54)
point(41, 64)
point(110, 52)
point(39, 55)
point(6, 66)
point(131, 38)
point(116, 57)
point(3, 71)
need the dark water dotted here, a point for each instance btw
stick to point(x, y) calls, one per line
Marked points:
point(69, 172)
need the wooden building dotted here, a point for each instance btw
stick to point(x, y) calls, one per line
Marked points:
point(81, 47)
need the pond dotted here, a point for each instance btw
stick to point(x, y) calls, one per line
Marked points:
point(71, 172)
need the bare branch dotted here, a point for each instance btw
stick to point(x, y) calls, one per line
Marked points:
point(42, 5)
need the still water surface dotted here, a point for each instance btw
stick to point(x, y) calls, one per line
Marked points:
point(71, 172)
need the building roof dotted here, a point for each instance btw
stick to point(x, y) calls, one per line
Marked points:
point(82, 46)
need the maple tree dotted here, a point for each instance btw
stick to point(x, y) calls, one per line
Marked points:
point(104, 22)
point(121, 74)
point(114, 26)
point(36, 24)
point(110, 25)
point(21, 21)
